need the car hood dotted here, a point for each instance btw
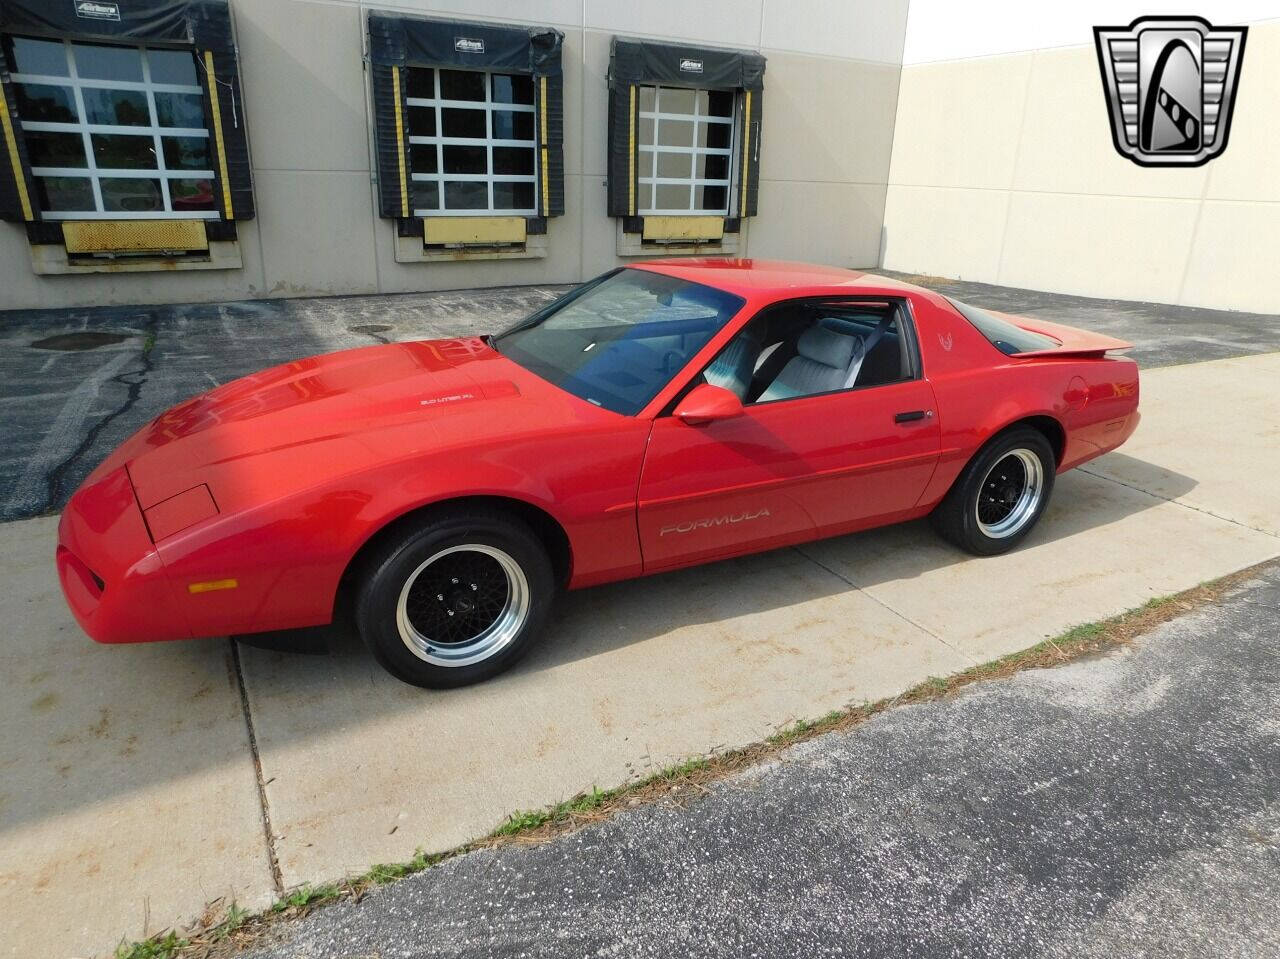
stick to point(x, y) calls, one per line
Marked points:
point(304, 422)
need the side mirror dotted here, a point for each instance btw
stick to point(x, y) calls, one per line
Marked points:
point(706, 404)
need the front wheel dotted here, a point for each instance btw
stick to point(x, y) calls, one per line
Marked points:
point(1000, 495)
point(455, 600)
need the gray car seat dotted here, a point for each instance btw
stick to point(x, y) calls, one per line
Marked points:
point(825, 361)
point(733, 368)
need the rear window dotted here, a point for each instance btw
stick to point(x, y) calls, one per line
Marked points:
point(1004, 336)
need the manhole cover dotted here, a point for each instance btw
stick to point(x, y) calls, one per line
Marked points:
point(369, 328)
point(79, 341)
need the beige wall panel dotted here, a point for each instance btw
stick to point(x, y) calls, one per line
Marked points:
point(848, 29)
point(1123, 247)
point(1233, 262)
point(304, 85)
point(316, 233)
point(21, 289)
point(958, 123)
point(599, 230)
point(555, 13)
point(574, 129)
point(1066, 147)
point(944, 231)
point(594, 103)
point(1081, 218)
point(722, 23)
point(827, 120)
point(1249, 169)
point(835, 223)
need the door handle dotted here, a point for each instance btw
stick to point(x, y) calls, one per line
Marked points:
point(912, 415)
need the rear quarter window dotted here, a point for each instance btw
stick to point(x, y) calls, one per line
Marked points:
point(1004, 336)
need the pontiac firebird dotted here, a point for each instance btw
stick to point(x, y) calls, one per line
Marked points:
point(665, 414)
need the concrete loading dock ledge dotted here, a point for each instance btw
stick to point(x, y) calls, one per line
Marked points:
point(130, 787)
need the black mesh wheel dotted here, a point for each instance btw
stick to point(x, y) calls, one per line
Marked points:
point(455, 599)
point(1000, 494)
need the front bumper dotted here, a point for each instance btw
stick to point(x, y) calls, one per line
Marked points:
point(111, 573)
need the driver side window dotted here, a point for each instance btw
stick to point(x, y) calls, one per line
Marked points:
point(792, 350)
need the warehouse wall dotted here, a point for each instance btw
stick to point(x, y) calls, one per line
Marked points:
point(1004, 172)
point(829, 97)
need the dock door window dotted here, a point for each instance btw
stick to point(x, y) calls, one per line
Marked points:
point(686, 144)
point(472, 145)
point(113, 132)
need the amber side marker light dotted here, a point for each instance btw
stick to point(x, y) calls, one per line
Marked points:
point(212, 585)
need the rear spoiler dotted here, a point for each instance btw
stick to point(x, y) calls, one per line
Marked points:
point(1073, 341)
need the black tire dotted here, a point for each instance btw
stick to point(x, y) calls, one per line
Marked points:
point(483, 549)
point(956, 518)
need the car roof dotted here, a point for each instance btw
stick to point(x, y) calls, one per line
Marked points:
point(751, 277)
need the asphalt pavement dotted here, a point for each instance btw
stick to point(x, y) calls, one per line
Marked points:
point(75, 383)
point(1162, 334)
point(1122, 805)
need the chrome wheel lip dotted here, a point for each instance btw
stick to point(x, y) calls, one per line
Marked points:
point(496, 637)
point(1028, 502)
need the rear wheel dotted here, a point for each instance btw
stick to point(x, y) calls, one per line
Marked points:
point(455, 600)
point(1000, 495)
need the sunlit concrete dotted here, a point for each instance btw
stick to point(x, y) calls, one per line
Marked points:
point(127, 791)
point(1210, 439)
point(630, 678)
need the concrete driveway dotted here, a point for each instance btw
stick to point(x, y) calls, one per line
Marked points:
point(140, 782)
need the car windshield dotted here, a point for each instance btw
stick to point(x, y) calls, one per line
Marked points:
point(1005, 336)
point(619, 339)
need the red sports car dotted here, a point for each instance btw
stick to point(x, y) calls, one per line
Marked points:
point(664, 414)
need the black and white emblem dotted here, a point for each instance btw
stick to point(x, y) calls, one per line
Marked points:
point(92, 10)
point(1170, 84)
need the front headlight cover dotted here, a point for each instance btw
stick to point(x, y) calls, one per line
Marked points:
point(179, 512)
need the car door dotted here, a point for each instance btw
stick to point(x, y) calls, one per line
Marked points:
point(785, 471)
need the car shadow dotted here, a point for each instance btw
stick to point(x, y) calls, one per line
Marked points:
point(595, 621)
point(144, 720)
point(1140, 474)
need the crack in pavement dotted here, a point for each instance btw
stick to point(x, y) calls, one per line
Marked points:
point(273, 859)
point(896, 612)
point(1178, 502)
point(26, 499)
point(70, 418)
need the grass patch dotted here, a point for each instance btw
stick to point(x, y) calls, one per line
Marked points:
point(161, 946)
point(305, 896)
point(222, 932)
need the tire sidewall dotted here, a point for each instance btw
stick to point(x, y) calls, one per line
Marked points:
point(376, 608)
point(973, 537)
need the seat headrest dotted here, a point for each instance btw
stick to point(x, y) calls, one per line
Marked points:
point(827, 347)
